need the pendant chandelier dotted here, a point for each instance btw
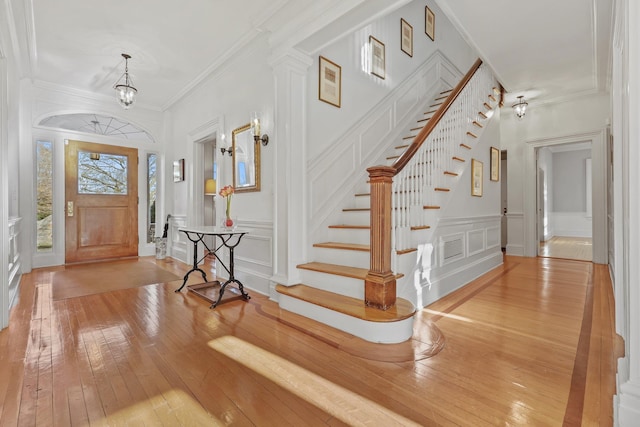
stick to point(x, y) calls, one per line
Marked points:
point(520, 107)
point(125, 91)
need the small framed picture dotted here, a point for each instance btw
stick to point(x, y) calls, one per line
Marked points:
point(406, 37)
point(476, 178)
point(495, 164)
point(329, 82)
point(377, 57)
point(429, 23)
point(178, 170)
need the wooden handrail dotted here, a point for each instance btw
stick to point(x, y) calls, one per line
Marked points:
point(380, 283)
point(399, 164)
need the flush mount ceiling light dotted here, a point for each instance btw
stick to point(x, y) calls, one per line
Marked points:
point(125, 91)
point(520, 107)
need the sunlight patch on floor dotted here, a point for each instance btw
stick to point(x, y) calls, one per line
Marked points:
point(341, 403)
point(174, 407)
point(448, 315)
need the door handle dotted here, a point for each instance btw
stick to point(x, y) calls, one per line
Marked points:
point(70, 208)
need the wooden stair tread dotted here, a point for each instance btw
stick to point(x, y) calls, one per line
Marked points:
point(430, 207)
point(354, 227)
point(420, 227)
point(441, 189)
point(406, 251)
point(362, 194)
point(339, 270)
point(472, 135)
point(340, 245)
point(401, 147)
point(449, 173)
point(465, 146)
point(483, 115)
point(458, 159)
point(487, 106)
point(355, 209)
point(347, 305)
point(477, 124)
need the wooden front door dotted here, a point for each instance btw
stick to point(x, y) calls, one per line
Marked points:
point(101, 188)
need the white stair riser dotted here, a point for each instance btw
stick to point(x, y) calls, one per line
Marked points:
point(358, 236)
point(333, 283)
point(362, 201)
point(359, 259)
point(355, 217)
point(381, 332)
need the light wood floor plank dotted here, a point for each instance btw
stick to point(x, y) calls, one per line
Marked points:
point(513, 355)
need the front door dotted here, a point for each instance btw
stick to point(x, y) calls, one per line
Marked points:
point(101, 190)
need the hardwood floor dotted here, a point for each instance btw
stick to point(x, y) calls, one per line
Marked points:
point(530, 343)
point(578, 248)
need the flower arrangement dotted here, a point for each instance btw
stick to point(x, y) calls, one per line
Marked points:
point(226, 192)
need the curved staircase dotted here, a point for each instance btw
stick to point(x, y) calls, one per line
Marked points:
point(333, 288)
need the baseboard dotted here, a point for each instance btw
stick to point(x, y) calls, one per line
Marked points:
point(455, 279)
point(628, 405)
point(516, 250)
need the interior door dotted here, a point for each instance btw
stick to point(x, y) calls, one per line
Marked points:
point(101, 190)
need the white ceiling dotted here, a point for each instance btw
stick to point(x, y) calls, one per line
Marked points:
point(544, 49)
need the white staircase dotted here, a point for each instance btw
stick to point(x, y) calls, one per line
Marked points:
point(332, 288)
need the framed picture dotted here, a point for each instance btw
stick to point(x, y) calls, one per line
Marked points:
point(406, 37)
point(330, 82)
point(429, 23)
point(377, 57)
point(178, 170)
point(495, 164)
point(476, 178)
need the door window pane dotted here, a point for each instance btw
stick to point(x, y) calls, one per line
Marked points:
point(100, 173)
point(44, 195)
point(151, 196)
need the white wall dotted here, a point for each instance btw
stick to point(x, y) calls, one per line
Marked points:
point(9, 167)
point(570, 121)
point(545, 162)
point(570, 216)
point(362, 91)
point(226, 99)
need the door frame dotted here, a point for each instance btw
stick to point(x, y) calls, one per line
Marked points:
point(599, 190)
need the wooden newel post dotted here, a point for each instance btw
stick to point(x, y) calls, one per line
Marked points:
point(380, 283)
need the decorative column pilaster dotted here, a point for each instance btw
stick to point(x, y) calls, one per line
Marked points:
point(380, 283)
point(290, 161)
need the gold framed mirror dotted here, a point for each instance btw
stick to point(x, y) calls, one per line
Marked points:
point(246, 160)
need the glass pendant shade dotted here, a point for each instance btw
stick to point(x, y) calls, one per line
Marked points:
point(520, 107)
point(125, 91)
point(126, 95)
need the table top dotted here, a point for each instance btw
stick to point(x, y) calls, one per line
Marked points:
point(211, 230)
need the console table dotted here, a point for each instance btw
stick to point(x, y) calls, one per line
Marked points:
point(223, 238)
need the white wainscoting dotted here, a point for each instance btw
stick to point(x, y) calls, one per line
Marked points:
point(334, 174)
point(515, 233)
point(572, 224)
point(253, 258)
point(254, 255)
point(178, 243)
point(464, 249)
point(15, 271)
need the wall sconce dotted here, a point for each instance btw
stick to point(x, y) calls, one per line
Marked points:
point(255, 125)
point(520, 107)
point(210, 187)
point(226, 150)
